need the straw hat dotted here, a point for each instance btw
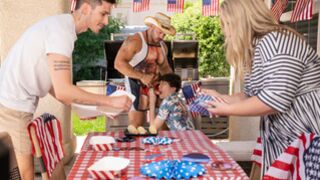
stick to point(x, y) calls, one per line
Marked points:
point(162, 21)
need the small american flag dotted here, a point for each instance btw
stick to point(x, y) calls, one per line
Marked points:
point(278, 8)
point(111, 88)
point(73, 5)
point(302, 11)
point(175, 6)
point(210, 7)
point(190, 93)
point(49, 136)
point(300, 160)
point(140, 5)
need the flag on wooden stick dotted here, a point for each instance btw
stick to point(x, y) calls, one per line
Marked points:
point(140, 5)
point(302, 11)
point(210, 7)
point(278, 8)
point(175, 6)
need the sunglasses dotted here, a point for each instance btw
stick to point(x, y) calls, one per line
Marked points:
point(125, 139)
point(128, 149)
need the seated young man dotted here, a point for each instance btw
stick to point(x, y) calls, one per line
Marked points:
point(172, 110)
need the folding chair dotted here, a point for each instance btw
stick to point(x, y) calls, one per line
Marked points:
point(12, 166)
point(46, 137)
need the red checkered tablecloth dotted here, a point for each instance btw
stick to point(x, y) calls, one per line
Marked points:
point(190, 141)
point(87, 158)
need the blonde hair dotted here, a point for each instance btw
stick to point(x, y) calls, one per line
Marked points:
point(245, 20)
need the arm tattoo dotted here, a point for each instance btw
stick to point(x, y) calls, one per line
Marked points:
point(61, 65)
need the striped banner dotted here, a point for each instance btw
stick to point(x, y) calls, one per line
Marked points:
point(210, 7)
point(49, 136)
point(278, 8)
point(140, 5)
point(300, 160)
point(302, 11)
point(257, 153)
point(175, 6)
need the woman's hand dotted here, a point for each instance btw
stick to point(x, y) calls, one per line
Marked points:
point(211, 92)
point(218, 108)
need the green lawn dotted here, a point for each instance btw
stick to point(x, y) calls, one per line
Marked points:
point(82, 127)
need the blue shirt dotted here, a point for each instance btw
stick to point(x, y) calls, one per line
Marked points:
point(174, 112)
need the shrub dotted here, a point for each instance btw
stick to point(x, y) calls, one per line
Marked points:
point(208, 32)
point(89, 49)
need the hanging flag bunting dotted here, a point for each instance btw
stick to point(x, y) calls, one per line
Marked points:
point(278, 8)
point(302, 11)
point(73, 5)
point(175, 6)
point(140, 5)
point(210, 7)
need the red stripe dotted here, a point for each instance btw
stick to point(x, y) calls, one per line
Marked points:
point(278, 8)
point(178, 7)
point(292, 150)
point(105, 175)
point(96, 175)
point(282, 165)
point(43, 144)
point(257, 152)
point(139, 7)
point(302, 10)
point(211, 10)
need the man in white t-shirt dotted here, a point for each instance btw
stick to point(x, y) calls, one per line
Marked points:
point(40, 62)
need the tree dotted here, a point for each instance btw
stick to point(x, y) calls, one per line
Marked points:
point(208, 32)
point(89, 49)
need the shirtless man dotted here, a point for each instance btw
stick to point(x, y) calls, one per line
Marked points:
point(141, 58)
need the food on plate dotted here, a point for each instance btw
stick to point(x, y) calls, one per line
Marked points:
point(141, 130)
point(132, 129)
point(152, 129)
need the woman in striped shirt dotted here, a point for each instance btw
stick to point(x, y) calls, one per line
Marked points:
point(281, 73)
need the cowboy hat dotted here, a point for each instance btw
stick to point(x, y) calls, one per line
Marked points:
point(161, 21)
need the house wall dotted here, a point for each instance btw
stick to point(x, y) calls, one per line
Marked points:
point(15, 18)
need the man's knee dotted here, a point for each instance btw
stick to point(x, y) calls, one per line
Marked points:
point(26, 166)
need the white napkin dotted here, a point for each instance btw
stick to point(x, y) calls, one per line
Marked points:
point(101, 140)
point(89, 111)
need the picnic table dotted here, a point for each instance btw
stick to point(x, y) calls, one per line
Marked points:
point(185, 142)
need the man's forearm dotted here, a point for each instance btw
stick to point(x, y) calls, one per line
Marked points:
point(129, 71)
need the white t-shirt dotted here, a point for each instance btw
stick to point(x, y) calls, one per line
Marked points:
point(24, 76)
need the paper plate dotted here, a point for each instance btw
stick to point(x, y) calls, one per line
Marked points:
point(108, 167)
point(172, 169)
point(102, 143)
point(122, 92)
point(196, 157)
point(85, 111)
point(157, 140)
